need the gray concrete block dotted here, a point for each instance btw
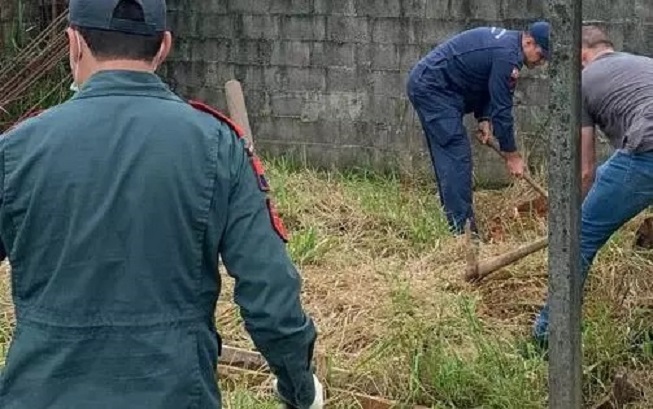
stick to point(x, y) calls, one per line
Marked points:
point(303, 28)
point(414, 8)
point(301, 79)
point(388, 83)
point(523, 9)
point(345, 79)
point(211, 50)
point(384, 56)
point(184, 22)
point(248, 6)
point(384, 136)
point(291, 7)
point(287, 104)
point(335, 7)
point(409, 55)
point(323, 131)
point(258, 27)
point(255, 52)
point(644, 10)
point(435, 32)
point(364, 55)
point(199, 72)
point(291, 53)
point(343, 106)
point(182, 50)
point(395, 31)
point(441, 10)
point(213, 26)
point(485, 10)
point(252, 78)
point(275, 130)
point(385, 110)
point(213, 6)
point(217, 74)
point(348, 29)
point(292, 151)
point(332, 54)
point(341, 157)
point(531, 119)
point(531, 91)
point(378, 8)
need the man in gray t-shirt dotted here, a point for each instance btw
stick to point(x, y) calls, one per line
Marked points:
point(617, 91)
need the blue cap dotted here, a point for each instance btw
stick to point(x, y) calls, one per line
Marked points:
point(98, 14)
point(540, 33)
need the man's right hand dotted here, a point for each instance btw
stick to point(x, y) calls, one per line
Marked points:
point(515, 164)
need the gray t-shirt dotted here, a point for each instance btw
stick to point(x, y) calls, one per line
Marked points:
point(618, 98)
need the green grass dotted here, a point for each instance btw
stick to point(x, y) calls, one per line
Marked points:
point(450, 356)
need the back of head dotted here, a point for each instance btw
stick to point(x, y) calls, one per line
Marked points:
point(120, 29)
point(594, 37)
point(594, 42)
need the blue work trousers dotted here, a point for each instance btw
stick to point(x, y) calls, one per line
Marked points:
point(623, 188)
point(441, 112)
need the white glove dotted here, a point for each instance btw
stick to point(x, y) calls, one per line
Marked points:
point(318, 402)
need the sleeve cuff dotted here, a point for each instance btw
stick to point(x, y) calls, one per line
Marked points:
point(508, 146)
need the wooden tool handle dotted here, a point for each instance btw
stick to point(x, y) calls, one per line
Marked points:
point(487, 267)
point(237, 107)
point(495, 147)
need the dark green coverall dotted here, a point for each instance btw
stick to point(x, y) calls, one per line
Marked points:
point(114, 208)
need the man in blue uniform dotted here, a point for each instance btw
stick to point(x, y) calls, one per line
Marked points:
point(474, 72)
point(114, 209)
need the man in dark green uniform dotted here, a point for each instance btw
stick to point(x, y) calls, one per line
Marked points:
point(114, 209)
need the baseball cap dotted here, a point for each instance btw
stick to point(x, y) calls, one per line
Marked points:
point(99, 14)
point(540, 32)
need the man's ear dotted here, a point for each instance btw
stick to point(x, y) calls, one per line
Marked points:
point(73, 44)
point(166, 47)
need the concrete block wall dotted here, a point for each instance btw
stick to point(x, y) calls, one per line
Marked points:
point(325, 79)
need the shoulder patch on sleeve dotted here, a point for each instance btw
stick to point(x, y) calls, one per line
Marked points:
point(255, 163)
point(277, 223)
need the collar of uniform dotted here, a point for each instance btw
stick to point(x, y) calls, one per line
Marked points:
point(124, 82)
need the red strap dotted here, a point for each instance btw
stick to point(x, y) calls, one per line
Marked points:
point(219, 115)
point(25, 117)
point(254, 161)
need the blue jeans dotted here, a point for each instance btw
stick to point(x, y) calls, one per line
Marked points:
point(623, 188)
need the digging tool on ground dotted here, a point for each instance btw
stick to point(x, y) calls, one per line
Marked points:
point(478, 270)
point(240, 362)
point(493, 145)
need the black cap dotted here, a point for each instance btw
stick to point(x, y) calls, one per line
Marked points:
point(98, 14)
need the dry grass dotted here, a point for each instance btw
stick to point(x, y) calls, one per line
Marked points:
point(384, 282)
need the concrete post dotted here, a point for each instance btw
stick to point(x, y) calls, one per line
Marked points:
point(565, 355)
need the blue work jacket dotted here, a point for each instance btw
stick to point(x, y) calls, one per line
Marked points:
point(480, 68)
